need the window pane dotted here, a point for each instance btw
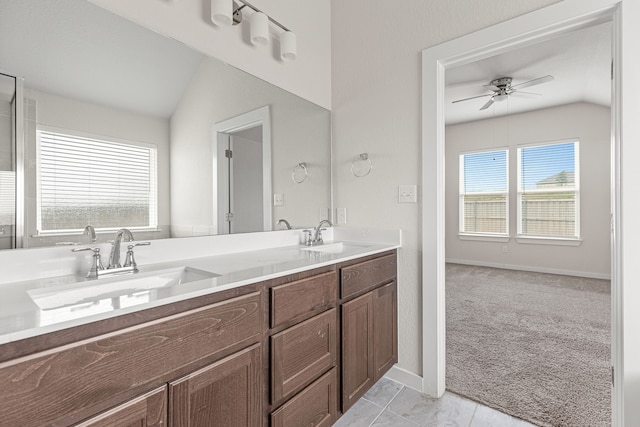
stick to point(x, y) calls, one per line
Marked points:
point(549, 214)
point(483, 189)
point(547, 166)
point(485, 213)
point(89, 181)
point(485, 172)
point(548, 190)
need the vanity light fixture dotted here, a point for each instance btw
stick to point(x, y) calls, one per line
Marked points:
point(227, 12)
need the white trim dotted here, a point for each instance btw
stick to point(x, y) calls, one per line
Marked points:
point(404, 377)
point(542, 24)
point(260, 116)
point(557, 241)
point(588, 275)
point(484, 237)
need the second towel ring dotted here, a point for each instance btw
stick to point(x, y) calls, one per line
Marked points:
point(299, 173)
point(361, 165)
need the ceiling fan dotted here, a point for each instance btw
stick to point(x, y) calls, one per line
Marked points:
point(502, 89)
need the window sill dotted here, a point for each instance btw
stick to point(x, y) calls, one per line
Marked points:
point(484, 237)
point(557, 241)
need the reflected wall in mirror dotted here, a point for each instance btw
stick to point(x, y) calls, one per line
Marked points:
point(94, 78)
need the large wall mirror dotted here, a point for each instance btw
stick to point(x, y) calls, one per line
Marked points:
point(123, 128)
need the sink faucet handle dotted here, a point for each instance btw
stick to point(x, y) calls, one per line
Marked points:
point(307, 237)
point(97, 261)
point(130, 260)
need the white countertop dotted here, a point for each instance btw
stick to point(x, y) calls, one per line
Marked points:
point(21, 317)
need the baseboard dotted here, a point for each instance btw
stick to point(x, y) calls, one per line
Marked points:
point(405, 377)
point(530, 268)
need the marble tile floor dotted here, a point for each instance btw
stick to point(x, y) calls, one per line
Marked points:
point(389, 403)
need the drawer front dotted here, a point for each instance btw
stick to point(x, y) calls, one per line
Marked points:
point(70, 384)
point(302, 299)
point(302, 353)
point(367, 275)
point(316, 405)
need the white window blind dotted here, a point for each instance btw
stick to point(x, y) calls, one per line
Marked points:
point(93, 181)
point(548, 190)
point(7, 197)
point(484, 193)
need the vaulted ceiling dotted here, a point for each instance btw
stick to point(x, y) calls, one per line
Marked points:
point(580, 63)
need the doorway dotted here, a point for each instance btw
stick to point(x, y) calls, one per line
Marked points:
point(242, 177)
point(536, 26)
point(8, 158)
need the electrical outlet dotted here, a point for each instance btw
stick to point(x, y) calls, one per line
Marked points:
point(505, 249)
point(341, 215)
point(407, 194)
point(278, 199)
point(325, 213)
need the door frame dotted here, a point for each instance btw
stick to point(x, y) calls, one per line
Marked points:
point(551, 21)
point(220, 135)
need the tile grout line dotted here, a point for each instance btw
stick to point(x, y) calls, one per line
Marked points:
point(386, 405)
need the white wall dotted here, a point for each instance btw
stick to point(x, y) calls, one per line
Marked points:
point(376, 109)
point(300, 132)
point(591, 124)
point(69, 114)
point(189, 21)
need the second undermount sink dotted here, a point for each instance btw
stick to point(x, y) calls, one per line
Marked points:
point(90, 291)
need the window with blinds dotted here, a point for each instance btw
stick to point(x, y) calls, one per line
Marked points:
point(484, 193)
point(108, 184)
point(548, 190)
point(7, 198)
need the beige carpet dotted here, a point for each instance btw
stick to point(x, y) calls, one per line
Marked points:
point(535, 346)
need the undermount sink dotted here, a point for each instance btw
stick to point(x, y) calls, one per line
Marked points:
point(91, 291)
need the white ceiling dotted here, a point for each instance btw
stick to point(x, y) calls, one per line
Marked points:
point(79, 50)
point(580, 62)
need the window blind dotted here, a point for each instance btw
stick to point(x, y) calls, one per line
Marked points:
point(548, 196)
point(484, 192)
point(7, 197)
point(91, 181)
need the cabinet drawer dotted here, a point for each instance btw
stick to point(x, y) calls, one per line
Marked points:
point(316, 405)
point(70, 384)
point(367, 275)
point(148, 410)
point(303, 298)
point(302, 353)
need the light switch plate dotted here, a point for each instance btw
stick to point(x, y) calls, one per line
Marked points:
point(407, 194)
point(278, 199)
point(341, 216)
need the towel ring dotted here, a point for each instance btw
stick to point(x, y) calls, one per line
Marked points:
point(299, 173)
point(361, 165)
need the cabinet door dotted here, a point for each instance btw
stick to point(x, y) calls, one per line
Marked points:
point(147, 410)
point(385, 329)
point(357, 349)
point(225, 393)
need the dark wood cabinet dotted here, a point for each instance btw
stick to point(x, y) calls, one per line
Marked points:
point(148, 410)
point(385, 329)
point(369, 324)
point(225, 393)
point(357, 349)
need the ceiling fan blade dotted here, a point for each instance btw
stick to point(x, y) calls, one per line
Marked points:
point(492, 87)
point(487, 105)
point(473, 97)
point(521, 92)
point(533, 82)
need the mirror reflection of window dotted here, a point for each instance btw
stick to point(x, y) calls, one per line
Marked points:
point(86, 180)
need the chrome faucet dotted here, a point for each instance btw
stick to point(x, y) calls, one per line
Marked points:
point(316, 237)
point(91, 232)
point(285, 222)
point(114, 257)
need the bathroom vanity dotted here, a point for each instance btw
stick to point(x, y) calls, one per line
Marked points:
point(286, 343)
